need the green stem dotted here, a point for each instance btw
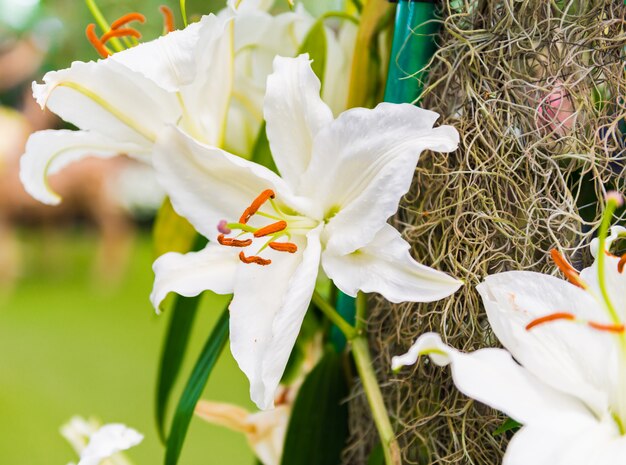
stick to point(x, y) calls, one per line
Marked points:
point(611, 206)
point(183, 11)
point(361, 311)
point(103, 23)
point(363, 361)
point(327, 309)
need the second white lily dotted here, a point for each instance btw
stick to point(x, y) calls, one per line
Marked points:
point(341, 180)
point(569, 391)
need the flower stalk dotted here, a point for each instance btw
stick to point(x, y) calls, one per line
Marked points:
point(361, 354)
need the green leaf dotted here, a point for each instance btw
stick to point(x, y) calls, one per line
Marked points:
point(315, 45)
point(183, 312)
point(261, 152)
point(377, 456)
point(318, 427)
point(195, 385)
point(508, 425)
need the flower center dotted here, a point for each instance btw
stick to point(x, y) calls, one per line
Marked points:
point(284, 226)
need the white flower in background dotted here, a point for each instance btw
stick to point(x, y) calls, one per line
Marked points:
point(563, 375)
point(341, 180)
point(95, 443)
point(265, 430)
point(207, 79)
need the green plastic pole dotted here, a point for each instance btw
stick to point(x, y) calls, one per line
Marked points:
point(412, 48)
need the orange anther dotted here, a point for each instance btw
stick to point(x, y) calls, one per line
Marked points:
point(256, 204)
point(128, 18)
point(284, 246)
point(90, 32)
point(568, 270)
point(233, 242)
point(253, 259)
point(621, 263)
point(549, 318)
point(612, 328)
point(168, 18)
point(271, 229)
point(120, 33)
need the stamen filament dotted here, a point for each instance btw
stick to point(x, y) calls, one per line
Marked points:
point(611, 205)
point(570, 273)
point(271, 229)
point(241, 226)
point(549, 318)
point(168, 18)
point(254, 259)
point(283, 246)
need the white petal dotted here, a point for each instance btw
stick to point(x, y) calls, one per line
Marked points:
point(107, 441)
point(207, 96)
point(109, 98)
point(339, 58)
point(294, 113)
point(615, 233)
point(492, 377)
point(206, 184)
point(211, 269)
point(570, 357)
point(267, 311)
point(169, 61)
point(584, 444)
point(362, 165)
point(47, 152)
point(385, 266)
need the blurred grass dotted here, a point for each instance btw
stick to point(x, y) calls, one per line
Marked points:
point(68, 347)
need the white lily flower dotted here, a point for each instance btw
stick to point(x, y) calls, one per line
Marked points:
point(95, 444)
point(563, 373)
point(341, 180)
point(207, 79)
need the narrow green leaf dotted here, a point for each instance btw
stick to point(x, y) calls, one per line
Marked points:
point(315, 45)
point(193, 390)
point(508, 425)
point(183, 312)
point(318, 427)
point(377, 456)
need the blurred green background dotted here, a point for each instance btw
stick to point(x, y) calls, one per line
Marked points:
point(71, 343)
point(68, 346)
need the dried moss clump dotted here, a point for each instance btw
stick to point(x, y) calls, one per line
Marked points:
point(536, 89)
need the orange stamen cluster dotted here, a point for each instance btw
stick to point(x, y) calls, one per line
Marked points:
point(268, 230)
point(608, 327)
point(168, 18)
point(568, 270)
point(117, 30)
